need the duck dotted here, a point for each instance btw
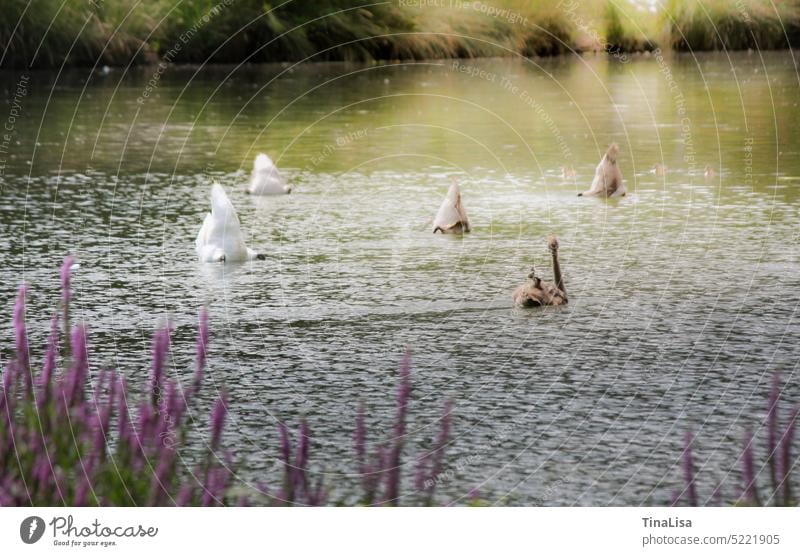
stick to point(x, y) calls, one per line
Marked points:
point(266, 178)
point(607, 180)
point(709, 172)
point(451, 217)
point(535, 292)
point(220, 237)
point(567, 172)
point(660, 170)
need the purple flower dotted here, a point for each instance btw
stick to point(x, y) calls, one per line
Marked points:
point(7, 395)
point(218, 421)
point(159, 484)
point(403, 395)
point(66, 292)
point(360, 437)
point(66, 269)
point(288, 476)
point(160, 350)
point(421, 474)
point(439, 448)
point(301, 459)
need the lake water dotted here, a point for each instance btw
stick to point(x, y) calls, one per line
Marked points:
point(683, 295)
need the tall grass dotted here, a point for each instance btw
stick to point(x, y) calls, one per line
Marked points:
point(767, 484)
point(85, 32)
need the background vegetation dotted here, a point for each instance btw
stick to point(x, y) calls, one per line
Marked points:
point(84, 32)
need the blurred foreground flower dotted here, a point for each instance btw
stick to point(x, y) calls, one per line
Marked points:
point(64, 441)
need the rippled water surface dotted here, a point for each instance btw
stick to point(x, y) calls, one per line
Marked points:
point(683, 295)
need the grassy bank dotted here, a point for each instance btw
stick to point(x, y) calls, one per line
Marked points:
point(44, 33)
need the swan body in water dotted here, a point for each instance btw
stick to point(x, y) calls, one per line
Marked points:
point(451, 218)
point(535, 292)
point(220, 237)
point(266, 178)
point(607, 180)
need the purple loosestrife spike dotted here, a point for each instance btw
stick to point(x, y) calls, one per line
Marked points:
point(218, 421)
point(438, 450)
point(360, 437)
point(79, 371)
point(215, 485)
point(159, 484)
point(716, 496)
point(176, 403)
point(139, 439)
point(202, 350)
point(123, 421)
point(66, 291)
point(748, 471)
point(301, 459)
point(421, 474)
point(786, 457)
point(403, 395)
point(287, 493)
point(21, 338)
point(9, 379)
point(688, 469)
point(49, 365)
point(318, 495)
point(160, 350)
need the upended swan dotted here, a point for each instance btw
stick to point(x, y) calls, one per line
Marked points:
point(266, 178)
point(535, 292)
point(451, 218)
point(607, 180)
point(220, 238)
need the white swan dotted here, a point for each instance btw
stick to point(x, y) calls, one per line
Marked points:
point(451, 218)
point(266, 178)
point(220, 237)
point(607, 180)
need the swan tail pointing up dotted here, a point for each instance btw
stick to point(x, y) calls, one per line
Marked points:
point(451, 217)
point(262, 162)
